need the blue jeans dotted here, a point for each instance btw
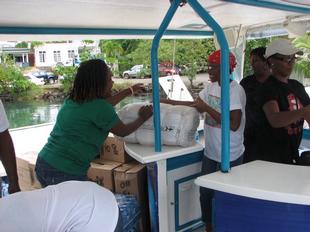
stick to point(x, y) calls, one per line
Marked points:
point(206, 195)
point(48, 175)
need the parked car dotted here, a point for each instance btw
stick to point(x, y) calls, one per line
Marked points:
point(165, 70)
point(133, 72)
point(34, 79)
point(47, 77)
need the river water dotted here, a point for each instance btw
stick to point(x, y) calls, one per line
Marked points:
point(22, 114)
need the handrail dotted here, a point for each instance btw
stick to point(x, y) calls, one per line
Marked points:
point(225, 98)
point(224, 77)
point(154, 65)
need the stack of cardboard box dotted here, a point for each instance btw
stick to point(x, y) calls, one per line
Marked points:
point(114, 170)
point(25, 170)
point(118, 172)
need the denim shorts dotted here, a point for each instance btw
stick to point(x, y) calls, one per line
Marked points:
point(48, 175)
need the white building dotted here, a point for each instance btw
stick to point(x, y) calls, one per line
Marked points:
point(50, 54)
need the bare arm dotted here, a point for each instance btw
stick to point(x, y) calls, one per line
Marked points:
point(173, 102)
point(7, 155)
point(121, 129)
point(279, 119)
point(235, 115)
point(137, 88)
point(235, 119)
point(119, 96)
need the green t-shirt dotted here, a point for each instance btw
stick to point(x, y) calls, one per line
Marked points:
point(78, 135)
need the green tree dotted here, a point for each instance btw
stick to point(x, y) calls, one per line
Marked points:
point(68, 74)
point(112, 50)
point(128, 45)
point(22, 44)
point(141, 55)
point(13, 83)
point(185, 52)
point(36, 44)
point(303, 65)
point(87, 41)
point(250, 45)
point(194, 51)
point(84, 54)
point(191, 72)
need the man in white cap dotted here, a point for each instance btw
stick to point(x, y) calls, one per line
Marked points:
point(285, 105)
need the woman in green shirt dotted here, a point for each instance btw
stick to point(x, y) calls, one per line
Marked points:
point(83, 123)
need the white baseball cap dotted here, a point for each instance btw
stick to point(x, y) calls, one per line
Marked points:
point(283, 47)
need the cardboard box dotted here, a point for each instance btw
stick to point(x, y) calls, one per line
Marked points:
point(131, 179)
point(102, 173)
point(24, 174)
point(25, 170)
point(113, 150)
point(34, 181)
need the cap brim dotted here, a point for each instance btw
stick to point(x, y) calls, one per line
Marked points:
point(285, 53)
point(291, 51)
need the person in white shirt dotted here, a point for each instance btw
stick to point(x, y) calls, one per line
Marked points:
point(209, 103)
point(7, 152)
point(75, 206)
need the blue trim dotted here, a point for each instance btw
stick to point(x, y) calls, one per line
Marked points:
point(194, 228)
point(152, 193)
point(306, 134)
point(184, 160)
point(176, 203)
point(96, 31)
point(272, 5)
point(225, 102)
point(154, 67)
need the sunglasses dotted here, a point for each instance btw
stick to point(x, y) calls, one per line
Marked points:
point(286, 59)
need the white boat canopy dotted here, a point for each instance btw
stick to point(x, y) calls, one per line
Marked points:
point(94, 19)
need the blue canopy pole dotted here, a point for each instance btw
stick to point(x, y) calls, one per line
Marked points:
point(154, 66)
point(225, 99)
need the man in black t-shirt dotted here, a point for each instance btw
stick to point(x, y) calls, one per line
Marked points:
point(251, 85)
point(284, 103)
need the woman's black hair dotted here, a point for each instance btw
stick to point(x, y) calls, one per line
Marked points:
point(90, 81)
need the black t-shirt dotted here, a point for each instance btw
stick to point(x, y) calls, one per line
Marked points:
point(250, 86)
point(280, 144)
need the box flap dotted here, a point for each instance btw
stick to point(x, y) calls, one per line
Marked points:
point(136, 168)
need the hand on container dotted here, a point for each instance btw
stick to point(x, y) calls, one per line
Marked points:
point(145, 112)
point(138, 89)
point(199, 104)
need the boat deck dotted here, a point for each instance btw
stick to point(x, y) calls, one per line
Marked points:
point(29, 139)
